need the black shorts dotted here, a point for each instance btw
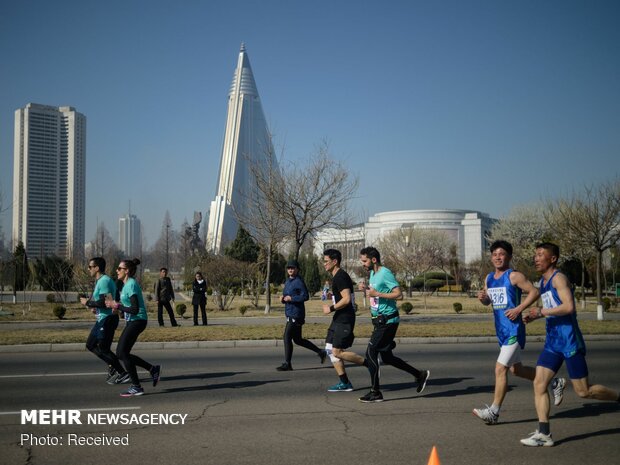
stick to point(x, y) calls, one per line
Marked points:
point(382, 338)
point(340, 335)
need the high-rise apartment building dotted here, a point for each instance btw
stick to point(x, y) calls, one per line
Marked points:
point(49, 181)
point(130, 235)
point(247, 145)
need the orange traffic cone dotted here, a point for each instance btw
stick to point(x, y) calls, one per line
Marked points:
point(434, 458)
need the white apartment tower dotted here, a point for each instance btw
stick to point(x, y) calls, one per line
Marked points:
point(130, 236)
point(247, 142)
point(49, 181)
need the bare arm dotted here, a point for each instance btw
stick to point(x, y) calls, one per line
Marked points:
point(394, 294)
point(518, 279)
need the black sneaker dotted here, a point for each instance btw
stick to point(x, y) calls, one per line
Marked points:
point(133, 391)
point(372, 396)
point(155, 374)
point(422, 380)
point(285, 367)
point(322, 355)
point(122, 378)
point(112, 373)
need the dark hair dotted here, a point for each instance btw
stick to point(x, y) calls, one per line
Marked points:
point(131, 265)
point(163, 268)
point(551, 247)
point(333, 254)
point(99, 262)
point(371, 253)
point(200, 274)
point(501, 245)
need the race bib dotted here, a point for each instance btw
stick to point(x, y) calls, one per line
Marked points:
point(548, 300)
point(498, 296)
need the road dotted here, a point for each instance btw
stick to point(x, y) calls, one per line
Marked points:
point(241, 411)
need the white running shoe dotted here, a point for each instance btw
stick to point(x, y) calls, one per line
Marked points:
point(558, 390)
point(487, 415)
point(538, 439)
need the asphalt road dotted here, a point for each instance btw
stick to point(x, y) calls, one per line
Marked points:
point(241, 411)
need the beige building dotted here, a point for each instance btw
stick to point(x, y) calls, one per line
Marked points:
point(49, 181)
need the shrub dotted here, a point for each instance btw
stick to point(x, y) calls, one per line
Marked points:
point(406, 307)
point(180, 309)
point(149, 297)
point(50, 298)
point(243, 309)
point(578, 296)
point(59, 311)
point(606, 303)
point(458, 307)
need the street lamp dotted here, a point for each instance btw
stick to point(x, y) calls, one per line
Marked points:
point(407, 277)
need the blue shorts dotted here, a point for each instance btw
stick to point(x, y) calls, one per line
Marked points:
point(576, 365)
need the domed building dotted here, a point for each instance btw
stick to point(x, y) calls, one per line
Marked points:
point(467, 228)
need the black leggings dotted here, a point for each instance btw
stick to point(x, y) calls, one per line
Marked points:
point(292, 333)
point(123, 350)
point(100, 340)
point(382, 342)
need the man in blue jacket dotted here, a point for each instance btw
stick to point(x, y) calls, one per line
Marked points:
point(294, 295)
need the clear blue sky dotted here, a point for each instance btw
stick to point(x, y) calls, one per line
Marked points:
point(478, 105)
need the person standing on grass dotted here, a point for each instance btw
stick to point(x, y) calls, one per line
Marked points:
point(294, 295)
point(563, 343)
point(383, 291)
point(502, 290)
point(199, 298)
point(133, 306)
point(100, 338)
point(164, 293)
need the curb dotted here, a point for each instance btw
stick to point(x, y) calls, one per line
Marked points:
point(79, 347)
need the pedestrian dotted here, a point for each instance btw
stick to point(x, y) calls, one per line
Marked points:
point(563, 343)
point(502, 290)
point(132, 305)
point(164, 294)
point(325, 294)
point(294, 295)
point(383, 291)
point(199, 298)
point(340, 332)
point(101, 335)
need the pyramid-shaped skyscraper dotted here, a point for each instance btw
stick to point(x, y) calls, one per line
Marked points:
point(247, 143)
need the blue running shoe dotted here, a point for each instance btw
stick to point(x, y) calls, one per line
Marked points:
point(341, 387)
point(133, 391)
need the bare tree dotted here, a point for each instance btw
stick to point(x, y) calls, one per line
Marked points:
point(523, 227)
point(263, 217)
point(165, 248)
point(589, 219)
point(316, 195)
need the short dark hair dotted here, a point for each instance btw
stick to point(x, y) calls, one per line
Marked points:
point(501, 245)
point(99, 262)
point(371, 253)
point(551, 247)
point(333, 254)
point(131, 265)
point(163, 268)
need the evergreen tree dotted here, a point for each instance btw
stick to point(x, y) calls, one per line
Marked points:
point(22, 271)
point(311, 274)
point(243, 248)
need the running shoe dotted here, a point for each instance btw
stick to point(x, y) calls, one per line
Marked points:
point(341, 387)
point(133, 391)
point(155, 374)
point(422, 380)
point(372, 396)
point(538, 439)
point(112, 374)
point(322, 355)
point(285, 367)
point(122, 378)
point(558, 390)
point(487, 415)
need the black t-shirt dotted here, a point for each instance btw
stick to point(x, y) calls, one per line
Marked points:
point(340, 281)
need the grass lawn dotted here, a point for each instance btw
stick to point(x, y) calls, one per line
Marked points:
point(220, 332)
